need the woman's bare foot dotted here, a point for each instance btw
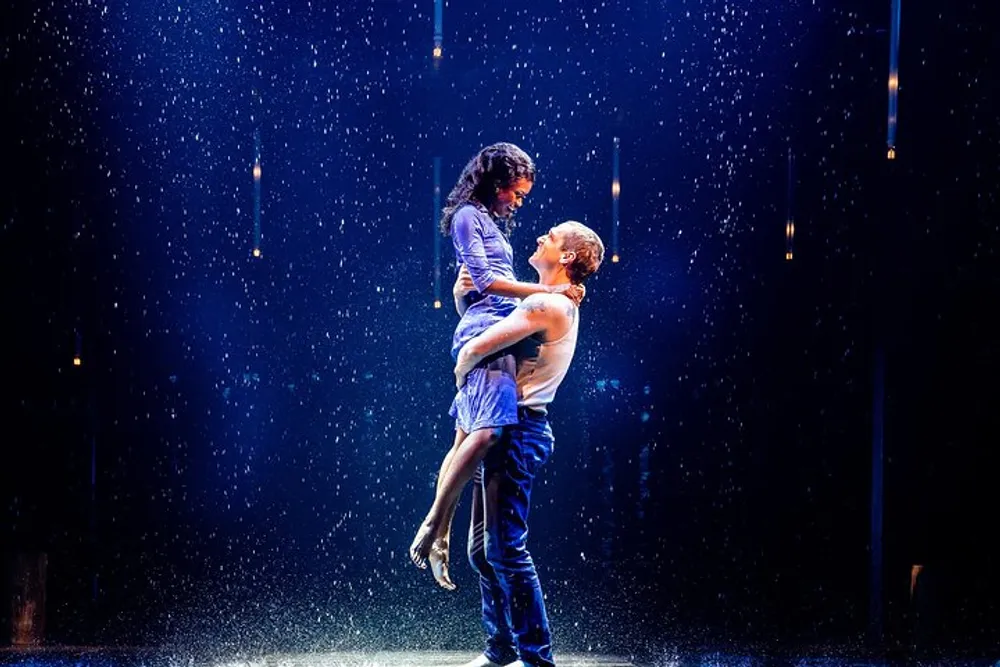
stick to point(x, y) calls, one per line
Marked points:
point(421, 547)
point(439, 564)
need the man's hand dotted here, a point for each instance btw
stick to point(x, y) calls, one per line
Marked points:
point(463, 365)
point(463, 283)
point(574, 292)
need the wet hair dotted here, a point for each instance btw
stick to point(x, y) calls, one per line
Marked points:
point(496, 166)
point(587, 245)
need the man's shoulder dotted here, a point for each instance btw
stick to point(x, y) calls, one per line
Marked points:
point(554, 306)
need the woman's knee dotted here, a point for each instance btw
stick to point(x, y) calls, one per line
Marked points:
point(487, 437)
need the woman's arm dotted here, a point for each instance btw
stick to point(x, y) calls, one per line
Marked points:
point(520, 290)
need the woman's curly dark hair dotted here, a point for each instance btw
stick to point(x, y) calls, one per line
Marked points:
point(496, 166)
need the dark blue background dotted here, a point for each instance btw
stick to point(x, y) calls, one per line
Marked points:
point(268, 430)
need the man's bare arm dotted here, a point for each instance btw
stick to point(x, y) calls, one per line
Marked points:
point(463, 285)
point(537, 313)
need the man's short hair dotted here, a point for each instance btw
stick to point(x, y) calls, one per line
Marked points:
point(587, 245)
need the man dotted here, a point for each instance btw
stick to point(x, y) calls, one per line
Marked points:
point(543, 330)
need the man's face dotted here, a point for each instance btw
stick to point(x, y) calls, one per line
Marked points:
point(549, 251)
point(508, 200)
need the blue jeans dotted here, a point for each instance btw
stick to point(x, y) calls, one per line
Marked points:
point(513, 609)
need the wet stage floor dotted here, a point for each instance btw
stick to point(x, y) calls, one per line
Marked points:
point(98, 657)
point(106, 657)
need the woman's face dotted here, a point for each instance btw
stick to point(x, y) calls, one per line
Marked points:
point(509, 199)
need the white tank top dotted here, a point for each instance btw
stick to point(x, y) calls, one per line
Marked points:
point(542, 366)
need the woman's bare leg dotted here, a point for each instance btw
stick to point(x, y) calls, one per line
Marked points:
point(460, 436)
point(464, 459)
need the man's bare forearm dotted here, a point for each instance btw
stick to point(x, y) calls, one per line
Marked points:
point(460, 305)
point(481, 347)
point(467, 358)
point(532, 315)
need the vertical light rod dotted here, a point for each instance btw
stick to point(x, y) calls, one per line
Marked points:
point(790, 207)
point(437, 233)
point(256, 193)
point(893, 79)
point(78, 349)
point(438, 30)
point(616, 189)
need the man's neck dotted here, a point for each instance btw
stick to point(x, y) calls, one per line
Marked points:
point(557, 277)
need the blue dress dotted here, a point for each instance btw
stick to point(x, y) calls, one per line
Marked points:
point(489, 397)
